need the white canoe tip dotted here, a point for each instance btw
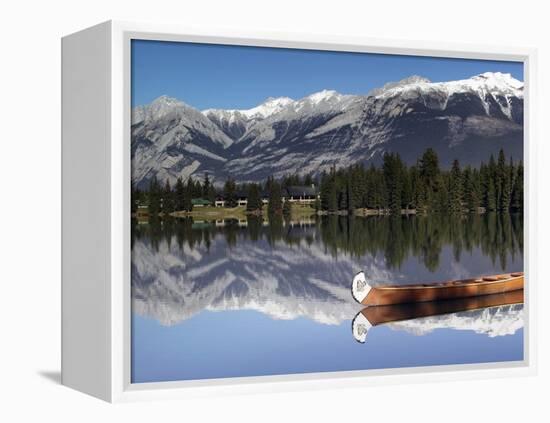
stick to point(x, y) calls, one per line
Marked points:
point(360, 287)
point(360, 327)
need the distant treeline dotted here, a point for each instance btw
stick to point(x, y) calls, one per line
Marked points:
point(167, 199)
point(163, 198)
point(496, 186)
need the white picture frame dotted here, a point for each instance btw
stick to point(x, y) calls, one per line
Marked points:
point(96, 256)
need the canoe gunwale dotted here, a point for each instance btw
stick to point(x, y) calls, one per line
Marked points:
point(385, 295)
point(455, 284)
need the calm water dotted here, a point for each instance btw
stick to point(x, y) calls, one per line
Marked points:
point(230, 299)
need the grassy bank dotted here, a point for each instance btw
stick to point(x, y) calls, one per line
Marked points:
point(298, 211)
point(214, 213)
point(217, 213)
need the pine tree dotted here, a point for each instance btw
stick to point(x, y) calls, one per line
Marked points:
point(254, 202)
point(230, 193)
point(154, 197)
point(491, 196)
point(381, 197)
point(189, 194)
point(370, 186)
point(324, 191)
point(503, 183)
point(506, 189)
point(290, 180)
point(484, 182)
point(416, 188)
point(429, 169)
point(455, 189)
point(392, 169)
point(475, 189)
point(440, 201)
point(197, 189)
point(517, 191)
point(492, 184)
point(471, 189)
point(275, 202)
point(167, 199)
point(208, 191)
point(359, 186)
point(179, 195)
point(406, 188)
point(350, 206)
point(429, 178)
point(332, 192)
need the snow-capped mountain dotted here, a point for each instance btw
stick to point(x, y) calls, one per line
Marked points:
point(171, 139)
point(413, 79)
point(266, 109)
point(236, 122)
point(465, 119)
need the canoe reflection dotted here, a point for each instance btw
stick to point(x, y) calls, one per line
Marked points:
point(443, 314)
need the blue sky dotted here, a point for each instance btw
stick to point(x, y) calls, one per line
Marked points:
point(216, 76)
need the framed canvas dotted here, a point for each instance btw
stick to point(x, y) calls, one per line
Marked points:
point(251, 212)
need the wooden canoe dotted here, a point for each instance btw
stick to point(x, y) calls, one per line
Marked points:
point(369, 295)
point(374, 316)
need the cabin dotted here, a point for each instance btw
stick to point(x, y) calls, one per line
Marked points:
point(219, 201)
point(242, 198)
point(200, 202)
point(306, 194)
point(303, 194)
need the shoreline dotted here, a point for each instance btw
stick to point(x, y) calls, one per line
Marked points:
point(240, 213)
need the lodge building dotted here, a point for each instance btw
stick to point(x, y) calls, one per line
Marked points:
point(301, 194)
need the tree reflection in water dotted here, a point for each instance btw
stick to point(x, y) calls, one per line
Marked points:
point(497, 235)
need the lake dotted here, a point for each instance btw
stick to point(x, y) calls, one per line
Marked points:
point(217, 299)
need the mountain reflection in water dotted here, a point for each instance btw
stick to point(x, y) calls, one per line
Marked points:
point(303, 268)
point(215, 299)
point(492, 315)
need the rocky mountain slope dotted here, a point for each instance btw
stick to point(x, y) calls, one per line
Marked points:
point(466, 119)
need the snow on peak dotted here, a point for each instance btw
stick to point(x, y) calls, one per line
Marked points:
point(269, 107)
point(495, 83)
point(165, 104)
point(165, 100)
point(324, 95)
point(277, 101)
point(413, 79)
point(158, 108)
point(499, 80)
point(323, 101)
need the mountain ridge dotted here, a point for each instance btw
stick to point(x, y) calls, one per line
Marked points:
point(458, 119)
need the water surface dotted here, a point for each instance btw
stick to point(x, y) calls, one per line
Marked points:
point(249, 298)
